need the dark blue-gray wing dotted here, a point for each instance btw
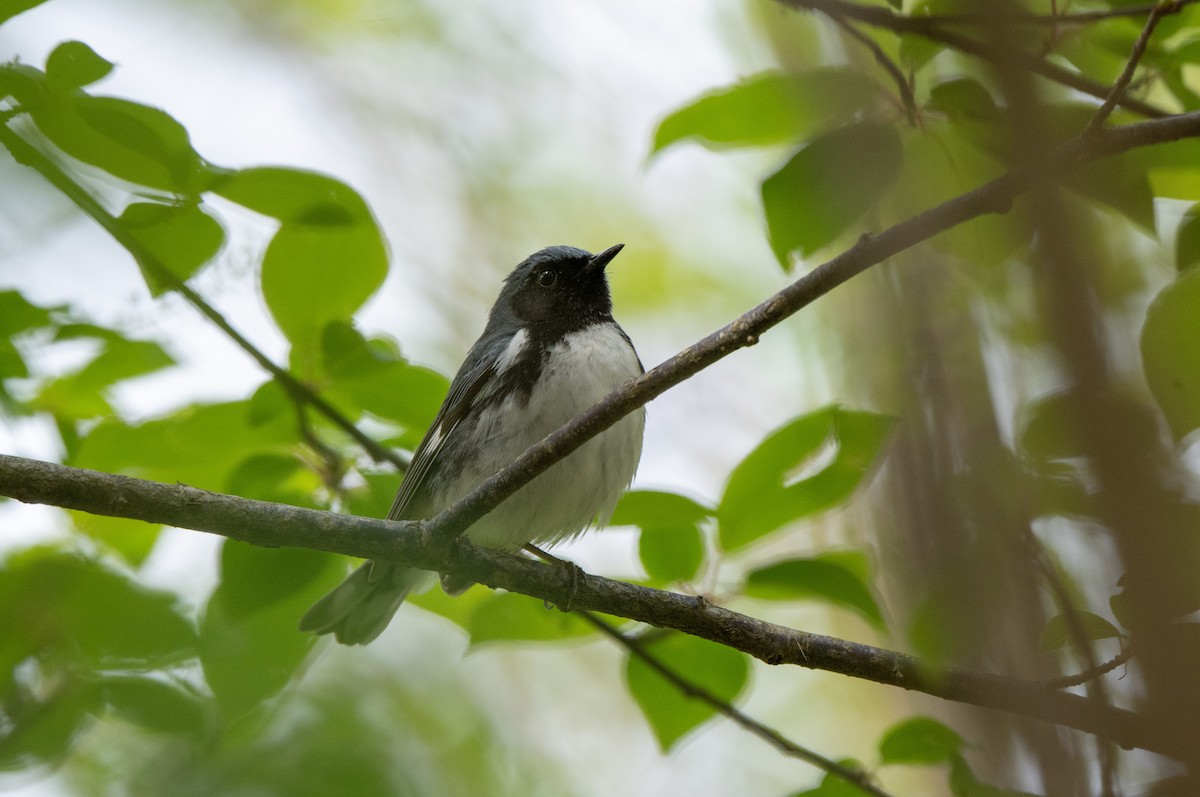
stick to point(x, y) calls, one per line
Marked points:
point(468, 387)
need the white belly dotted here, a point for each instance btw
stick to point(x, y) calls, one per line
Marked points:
point(584, 488)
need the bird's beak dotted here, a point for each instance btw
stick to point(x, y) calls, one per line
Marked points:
point(598, 262)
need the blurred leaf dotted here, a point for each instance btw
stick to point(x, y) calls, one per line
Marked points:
point(374, 497)
point(1187, 240)
point(409, 395)
point(919, 741)
point(764, 493)
point(294, 196)
point(130, 141)
point(10, 8)
point(671, 554)
point(964, 100)
point(197, 445)
point(834, 786)
point(458, 609)
point(828, 186)
point(512, 617)
point(769, 108)
point(314, 273)
point(280, 478)
point(73, 64)
point(964, 783)
point(1171, 349)
point(153, 704)
point(834, 577)
point(670, 545)
point(18, 314)
point(83, 393)
point(250, 642)
point(269, 402)
point(1049, 429)
point(44, 730)
point(657, 508)
point(721, 671)
point(1057, 632)
point(181, 238)
point(52, 599)
point(940, 163)
point(132, 540)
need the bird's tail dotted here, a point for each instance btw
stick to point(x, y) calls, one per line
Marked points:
point(359, 608)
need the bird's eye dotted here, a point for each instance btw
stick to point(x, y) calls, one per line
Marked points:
point(546, 278)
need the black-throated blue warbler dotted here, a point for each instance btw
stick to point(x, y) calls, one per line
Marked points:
point(551, 349)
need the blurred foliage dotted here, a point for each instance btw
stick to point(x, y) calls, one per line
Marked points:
point(985, 458)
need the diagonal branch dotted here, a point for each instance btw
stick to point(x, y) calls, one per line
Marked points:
point(276, 525)
point(27, 154)
point(878, 16)
point(992, 197)
point(858, 777)
point(1135, 57)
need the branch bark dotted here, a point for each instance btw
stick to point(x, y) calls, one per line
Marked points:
point(278, 525)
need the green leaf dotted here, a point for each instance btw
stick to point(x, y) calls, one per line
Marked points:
point(1049, 429)
point(73, 65)
point(10, 8)
point(181, 239)
point(721, 671)
point(180, 447)
point(294, 196)
point(281, 478)
point(834, 786)
point(657, 508)
point(764, 494)
point(56, 600)
point(1171, 349)
point(83, 393)
point(828, 186)
point(770, 108)
point(511, 617)
point(671, 545)
point(1057, 632)
point(131, 141)
point(315, 273)
point(45, 729)
point(1187, 240)
point(671, 554)
point(153, 704)
point(132, 540)
point(409, 395)
point(835, 577)
point(18, 314)
point(920, 741)
point(250, 642)
point(964, 99)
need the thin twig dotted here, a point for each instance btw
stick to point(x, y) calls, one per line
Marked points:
point(881, 58)
point(856, 777)
point(1092, 673)
point(25, 153)
point(1135, 57)
point(878, 16)
point(1076, 18)
point(694, 691)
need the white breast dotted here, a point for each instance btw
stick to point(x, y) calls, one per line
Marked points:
point(565, 500)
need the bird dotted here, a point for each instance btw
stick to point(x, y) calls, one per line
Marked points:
point(550, 350)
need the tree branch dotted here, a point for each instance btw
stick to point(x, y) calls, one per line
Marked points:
point(277, 525)
point(27, 154)
point(992, 197)
point(929, 28)
point(1135, 57)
